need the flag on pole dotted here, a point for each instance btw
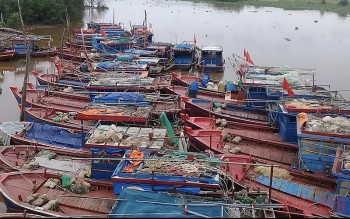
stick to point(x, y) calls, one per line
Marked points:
point(194, 39)
point(249, 59)
point(288, 88)
point(245, 54)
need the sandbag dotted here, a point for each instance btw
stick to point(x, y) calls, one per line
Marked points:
point(32, 198)
point(51, 205)
point(52, 183)
point(41, 200)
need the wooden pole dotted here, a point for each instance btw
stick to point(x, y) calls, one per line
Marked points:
point(25, 80)
point(270, 187)
point(62, 38)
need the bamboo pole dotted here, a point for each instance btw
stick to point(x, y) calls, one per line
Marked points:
point(25, 80)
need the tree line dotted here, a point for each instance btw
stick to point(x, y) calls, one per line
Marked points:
point(46, 12)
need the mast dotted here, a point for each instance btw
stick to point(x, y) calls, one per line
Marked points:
point(24, 87)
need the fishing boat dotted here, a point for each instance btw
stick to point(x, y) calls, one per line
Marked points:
point(159, 173)
point(19, 45)
point(6, 54)
point(298, 198)
point(59, 101)
point(204, 107)
point(257, 93)
point(184, 55)
point(136, 83)
point(114, 44)
point(162, 50)
point(78, 112)
point(141, 35)
point(287, 158)
point(57, 118)
point(95, 198)
point(248, 139)
point(124, 62)
point(27, 157)
point(211, 59)
point(114, 81)
point(223, 98)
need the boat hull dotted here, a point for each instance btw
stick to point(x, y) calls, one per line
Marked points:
point(5, 56)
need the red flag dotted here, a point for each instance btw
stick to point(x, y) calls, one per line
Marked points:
point(288, 88)
point(245, 54)
point(194, 39)
point(249, 59)
point(103, 33)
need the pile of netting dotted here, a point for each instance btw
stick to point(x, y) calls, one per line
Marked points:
point(178, 163)
point(336, 125)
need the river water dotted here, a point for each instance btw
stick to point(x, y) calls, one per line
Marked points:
point(273, 37)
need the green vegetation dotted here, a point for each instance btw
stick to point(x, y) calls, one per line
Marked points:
point(341, 7)
point(45, 12)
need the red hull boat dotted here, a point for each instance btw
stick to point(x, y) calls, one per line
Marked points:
point(16, 187)
point(240, 167)
point(7, 55)
point(258, 142)
point(13, 158)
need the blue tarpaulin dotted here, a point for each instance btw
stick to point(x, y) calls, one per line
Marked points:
point(119, 97)
point(56, 136)
point(143, 204)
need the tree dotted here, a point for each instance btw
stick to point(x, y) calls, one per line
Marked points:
point(14, 21)
point(343, 2)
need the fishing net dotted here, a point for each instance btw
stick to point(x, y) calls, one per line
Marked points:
point(78, 186)
point(277, 172)
point(47, 154)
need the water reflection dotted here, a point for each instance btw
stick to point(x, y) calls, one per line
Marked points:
point(12, 74)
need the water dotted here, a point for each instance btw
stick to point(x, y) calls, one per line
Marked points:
point(269, 34)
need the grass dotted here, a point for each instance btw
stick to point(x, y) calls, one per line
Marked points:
point(320, 5)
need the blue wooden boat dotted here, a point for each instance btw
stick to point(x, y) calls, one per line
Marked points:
point(137, 169)
point(19, 46)
point(184, 55)
point(141, 35)
point(211, 59)
point(253, 94)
